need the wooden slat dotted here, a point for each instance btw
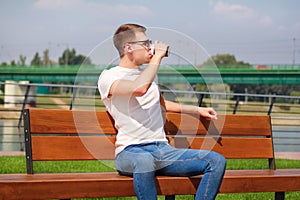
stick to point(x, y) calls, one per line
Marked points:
point(102, 148)
point(180, 124)
point(229, 147)
point(73, 122)
point(73, 148)
point(230, 125)
point(244, 125)
point(110, 184)
point(279, 180)
point(70, 122)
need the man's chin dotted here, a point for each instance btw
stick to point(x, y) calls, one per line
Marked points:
point(147, 61)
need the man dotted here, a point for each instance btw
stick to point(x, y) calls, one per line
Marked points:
point(131, 95)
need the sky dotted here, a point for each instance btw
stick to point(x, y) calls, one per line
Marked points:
point(254, 31)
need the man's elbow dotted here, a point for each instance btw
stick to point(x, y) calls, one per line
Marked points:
point(141, 91)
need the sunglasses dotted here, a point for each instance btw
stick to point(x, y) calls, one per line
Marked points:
point(146, 43)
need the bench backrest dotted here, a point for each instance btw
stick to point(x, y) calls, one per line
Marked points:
point(89, 135)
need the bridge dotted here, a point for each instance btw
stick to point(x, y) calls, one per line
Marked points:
point(166, 74)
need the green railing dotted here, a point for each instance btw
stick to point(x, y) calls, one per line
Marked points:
point(167, 74)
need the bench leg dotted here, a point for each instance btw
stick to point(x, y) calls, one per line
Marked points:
point(170, 197)
point(279, 195)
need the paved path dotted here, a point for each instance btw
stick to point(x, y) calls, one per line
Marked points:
point(288, 155)
point(12, 153)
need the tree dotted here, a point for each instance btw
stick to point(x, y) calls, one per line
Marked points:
point(46, 59)
point(226, 60)
point(69, 57)
point(22, 60)
point(36, 59)
point(13, 63)
point(80, 59)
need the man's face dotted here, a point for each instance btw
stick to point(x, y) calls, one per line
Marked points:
point(141, 48)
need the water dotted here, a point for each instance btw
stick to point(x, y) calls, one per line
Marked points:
point(286, 138)
point(9, 136)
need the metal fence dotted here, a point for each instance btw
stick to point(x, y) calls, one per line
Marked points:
point(285, 110)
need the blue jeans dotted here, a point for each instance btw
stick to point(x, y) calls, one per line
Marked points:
point(144, 161)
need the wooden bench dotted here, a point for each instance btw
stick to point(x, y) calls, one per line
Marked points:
point(62, 135)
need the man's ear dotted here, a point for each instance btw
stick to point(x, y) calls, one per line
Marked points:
point(128, 48)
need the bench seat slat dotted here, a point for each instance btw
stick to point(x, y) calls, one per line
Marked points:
point(105, 184)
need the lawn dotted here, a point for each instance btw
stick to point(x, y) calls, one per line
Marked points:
point(17, 164)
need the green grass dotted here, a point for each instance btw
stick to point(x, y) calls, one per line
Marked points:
point(17, 164)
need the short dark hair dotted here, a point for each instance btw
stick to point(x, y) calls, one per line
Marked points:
point(126, 33)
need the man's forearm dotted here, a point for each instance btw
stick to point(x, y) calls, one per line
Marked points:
point(176, 107)
point(148, 75)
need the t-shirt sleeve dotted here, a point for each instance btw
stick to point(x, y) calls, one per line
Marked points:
point(105, 81)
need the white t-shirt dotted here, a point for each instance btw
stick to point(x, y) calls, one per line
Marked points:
point(137, 119)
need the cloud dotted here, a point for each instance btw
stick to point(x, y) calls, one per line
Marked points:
point(266, 20)
point(93, 8)
point(55, 4)
point(244, 14)
point(281, 29)
point(235, 11)
point(297, 26)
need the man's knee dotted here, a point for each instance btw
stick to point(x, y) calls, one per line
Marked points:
point(216, 161)
point(219, 161)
